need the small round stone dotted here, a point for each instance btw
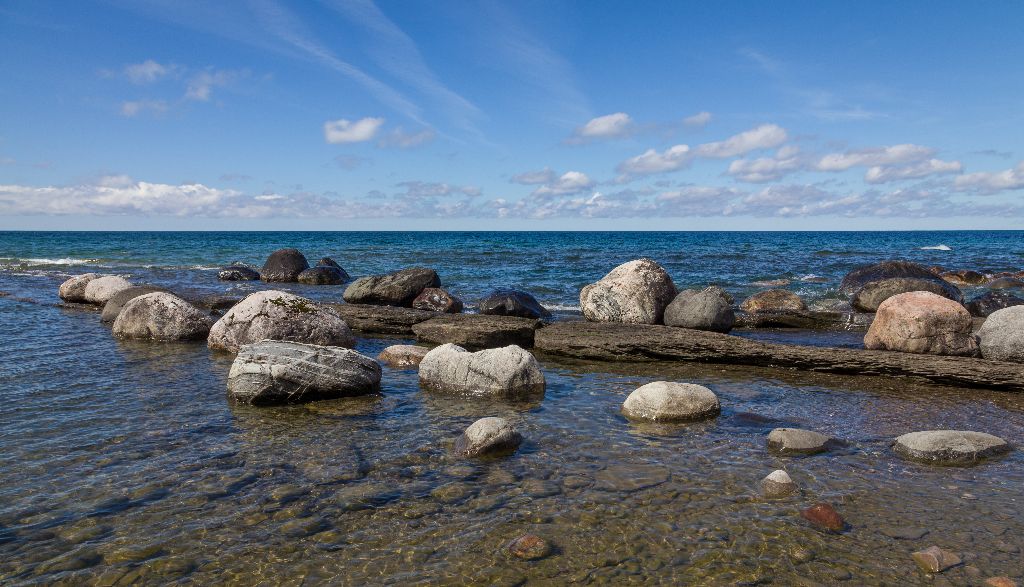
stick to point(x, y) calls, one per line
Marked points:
point(949, 447)
point(667, 401)
point(529, 547)
point(402, 355)
point(778, 484)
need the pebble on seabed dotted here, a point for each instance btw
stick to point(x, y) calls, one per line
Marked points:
point(935, 560)
point(529, 547)
point(824, 516)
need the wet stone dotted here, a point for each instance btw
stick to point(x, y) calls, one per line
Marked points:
point(935, 560)
point(794, 441)
point(824, 516)
point(529, 547)
point(778, 484)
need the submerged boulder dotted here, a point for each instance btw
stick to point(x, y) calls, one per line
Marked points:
point(284, 265)
point(488, 436)
point(274, 372)
point(667, 401)
point(988, 302)
point(504, 372)
point(73, 290)
point(403, 355)
point(161, 316)
point(773, 300)
point(707, 309)
point(922, 322)
point(862, 276)
point(278, 315)
point(1002, 335)
point(512, 302)
point(795, 441)
point(391, 289)
point(114, 305)
point(949, 447)
point(869, 297)
point(636, 292)
point(238, 273)
point(436, 299)
point(98, 291)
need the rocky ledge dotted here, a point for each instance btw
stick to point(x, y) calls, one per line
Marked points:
point(626, 342)
point(476, 331)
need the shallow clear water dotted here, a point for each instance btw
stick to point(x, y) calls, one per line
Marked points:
point(124, 463)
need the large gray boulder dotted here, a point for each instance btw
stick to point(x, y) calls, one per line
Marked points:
point(391, 289)
point(488, 436)
point(508, 372)
point(284, 265)
point(667, 401)
point(161, 316)
point(278, 315)
point(949, 447)
point(73, 290)
point(869, 297)
point(1002, 335)
point(273, 372)
point(636, 292)
point(114, 305)
point(706, 309)
point(861, 276)
point(922, 322)
point(100, 290)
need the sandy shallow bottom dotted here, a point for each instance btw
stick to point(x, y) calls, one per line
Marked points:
point(124, 463)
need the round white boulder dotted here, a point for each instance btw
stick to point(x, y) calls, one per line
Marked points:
point(101, 289)
point(668, 401)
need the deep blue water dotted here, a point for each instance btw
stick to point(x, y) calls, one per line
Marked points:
point(551, 265)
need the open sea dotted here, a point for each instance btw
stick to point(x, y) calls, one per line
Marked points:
point(125, 463)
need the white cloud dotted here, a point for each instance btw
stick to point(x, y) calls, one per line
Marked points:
point(546, 175)
point(136, 107)
point(765, 136)
point(879, 174)
point(764, 169)
point(430, 189)
point(878, 156)
point(571, 182)
point(201, 85)
point(347, 131)
point(994, 181)
point(651, 161)
point(605, 127)
point(699, 120)
point(400, 139)
point(146, 72)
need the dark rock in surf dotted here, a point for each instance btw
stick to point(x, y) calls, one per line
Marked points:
point(988, 302)
point(392, 289)
point(284, 265)
point(512, 302)
point(238, 273)
point(861, 276)
point(436, 299)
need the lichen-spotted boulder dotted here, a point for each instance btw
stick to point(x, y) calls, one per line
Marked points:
point(161, 316)
point(922, 322)
point(73, 290)
point(1002, 335)
point(100, 290)
point(273, 372)
point(668, 401)
point(278, 315)
point(636, 292)
point(509, 372)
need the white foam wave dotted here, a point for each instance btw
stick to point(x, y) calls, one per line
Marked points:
point(562, 307)
point(45, 261)
point(936, 248)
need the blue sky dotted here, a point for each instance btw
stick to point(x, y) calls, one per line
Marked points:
point(339, 115)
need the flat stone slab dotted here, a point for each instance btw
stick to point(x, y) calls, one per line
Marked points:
point(629, 342)
point(381, 319)
point(804, 319)
point(476, 331)
point(949, 447)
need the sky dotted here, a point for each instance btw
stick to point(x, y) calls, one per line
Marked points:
point(524, 115)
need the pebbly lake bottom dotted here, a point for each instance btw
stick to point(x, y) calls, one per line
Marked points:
point(124, 463)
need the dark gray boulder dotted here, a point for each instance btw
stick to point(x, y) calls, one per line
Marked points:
point(436, 299)
point(273, 372)
point(321, 276)
point(861, 276)
point(512, 302)
point(869, 297)
point(238, 273)
point(707, 309)
point(284, 265)
point(988, 302)
point(391, 289)
point(114, 305)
